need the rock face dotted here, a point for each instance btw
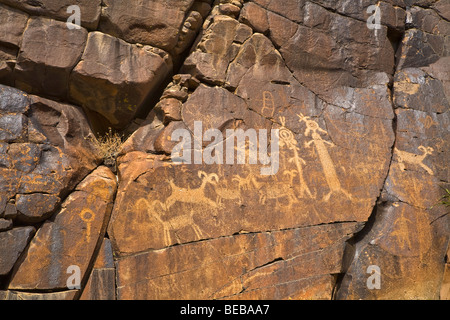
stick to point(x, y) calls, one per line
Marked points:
point(313, 139)
point(48, 73)
point(115, 88)
point(101, 284)
point(57, 9)
point(75, 233)
point(12, 245)
point(44, 154)
point(13, 22)
point(155, 23)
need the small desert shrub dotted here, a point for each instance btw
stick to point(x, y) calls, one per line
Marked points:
point(445, 199)
point(108, 146)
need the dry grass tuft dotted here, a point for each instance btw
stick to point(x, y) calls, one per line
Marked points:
point(445, 199)
point(108, 146)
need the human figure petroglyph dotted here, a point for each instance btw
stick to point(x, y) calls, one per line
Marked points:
point(414, 159)
point(291, 174)
point(287, 139)
point(244, 143)
point(268, 104)
point(88, 217)
point(402, 232)
point(313, 129)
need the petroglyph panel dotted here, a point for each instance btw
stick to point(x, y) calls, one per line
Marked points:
point(175, 204)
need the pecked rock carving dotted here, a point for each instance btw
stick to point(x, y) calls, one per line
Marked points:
point(359, 123)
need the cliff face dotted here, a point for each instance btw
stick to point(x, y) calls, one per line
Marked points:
point(351, 114)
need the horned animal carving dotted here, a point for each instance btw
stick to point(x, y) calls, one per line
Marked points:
point(195, 196)
point(156, 211)
point(414, 159)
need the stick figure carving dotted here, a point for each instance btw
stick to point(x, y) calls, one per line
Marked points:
point(313, 129)
point(287, 139)
point(268, 104)
point(401, 233)
point(87, 216)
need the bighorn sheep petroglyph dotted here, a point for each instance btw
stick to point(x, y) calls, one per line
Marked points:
point(415, 159)
point(195, 196)
point(156, 211)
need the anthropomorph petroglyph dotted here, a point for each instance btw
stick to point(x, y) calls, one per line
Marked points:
point(401, 232)
point(287, 139)
point(313, 129)
point(414, 159)
point(268, 104)
point(87, 216)
point(237, 146)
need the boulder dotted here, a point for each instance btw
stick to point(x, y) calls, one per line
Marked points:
point(341, 166)
point(5, 224)
point(57, 9)
point(36, 207)
point(214, 52)
point(45, 154)
point(48, 73)
point(149, 22)
point(12, 244)
point(114, 78)
point(102, 280)
point(210, 209)
point(70, 238)
point(252, 266)
point(13, 24)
